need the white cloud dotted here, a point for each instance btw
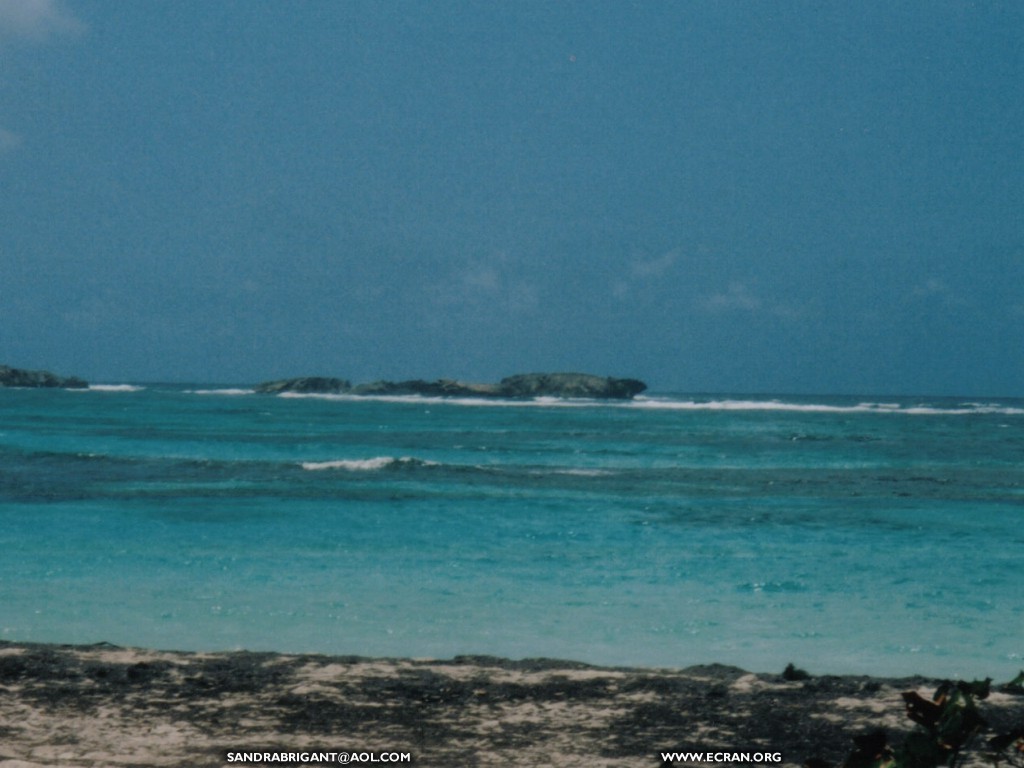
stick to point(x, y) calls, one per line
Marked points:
point(8, 140)
point(481, 278)
point(738, 297)
point(931, 287)
point(36, 19)
point(643, 271)
point(656, 267)
point(32, 21)
point(934, 289)
point(487, 286)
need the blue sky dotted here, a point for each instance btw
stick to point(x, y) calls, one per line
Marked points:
point(805, 197)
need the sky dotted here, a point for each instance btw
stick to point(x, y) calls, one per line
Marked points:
point(783, 197)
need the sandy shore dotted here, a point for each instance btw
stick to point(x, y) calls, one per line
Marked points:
point(107, 706)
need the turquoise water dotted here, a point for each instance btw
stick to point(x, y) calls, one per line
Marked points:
point(847, 535)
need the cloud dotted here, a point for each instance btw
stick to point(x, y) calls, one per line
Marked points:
point(931, 287)
point(656, 267)
point(740, 298)
point(487, 286)
point(737, 298)
point(642, 271)
point(8, 140)
point(36, 20)
point(481, 278)
point(934, 289)
point(32, 21)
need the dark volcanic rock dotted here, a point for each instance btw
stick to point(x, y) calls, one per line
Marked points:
point(439, 388)
point(522, 385)
point(569, 385)
point(308, 385)
point(17, 377)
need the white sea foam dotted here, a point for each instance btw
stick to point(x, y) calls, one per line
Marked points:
point(115, 388)
point(584, 472)
point(367, 465)
point(228, 391)
point(536, 402)
point(363, 398)
point(317, 396)
point(748, 405)
point(779, 405)
point(930, 410)
point(491, 402)
point(674, 404)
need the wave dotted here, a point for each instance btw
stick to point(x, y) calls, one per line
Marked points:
point(668, 403)
point(581, 472)
point(771, 586)
point(369, 465)
point(760, 405)
point(361, 398)
point(115, 388)
point(863, 407)
point(230, 391)
point(392, 463)
point(493, 402)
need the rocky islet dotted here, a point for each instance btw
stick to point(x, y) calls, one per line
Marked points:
point(526, 385)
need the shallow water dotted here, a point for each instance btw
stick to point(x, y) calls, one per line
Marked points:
point(844, 534)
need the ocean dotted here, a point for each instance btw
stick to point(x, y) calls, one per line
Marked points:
point(845, 535)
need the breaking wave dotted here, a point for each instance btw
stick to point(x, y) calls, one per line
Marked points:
point(863, 407)
point(906, 406)
point(369, 465)
point(226, 391)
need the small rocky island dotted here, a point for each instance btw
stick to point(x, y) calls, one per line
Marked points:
point(525, 385)
point(18, 377)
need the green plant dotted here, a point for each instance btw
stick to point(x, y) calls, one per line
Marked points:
point(948, 728)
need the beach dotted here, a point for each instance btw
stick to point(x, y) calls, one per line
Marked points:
point(103, 705)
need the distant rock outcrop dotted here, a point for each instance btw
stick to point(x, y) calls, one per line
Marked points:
point(18, 377)
point(570, 385)
point(576, 385)
point(439, 388)
point(307, 385)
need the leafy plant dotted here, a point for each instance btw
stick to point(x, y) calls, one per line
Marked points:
point(948, 727)
point(1015, 686)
